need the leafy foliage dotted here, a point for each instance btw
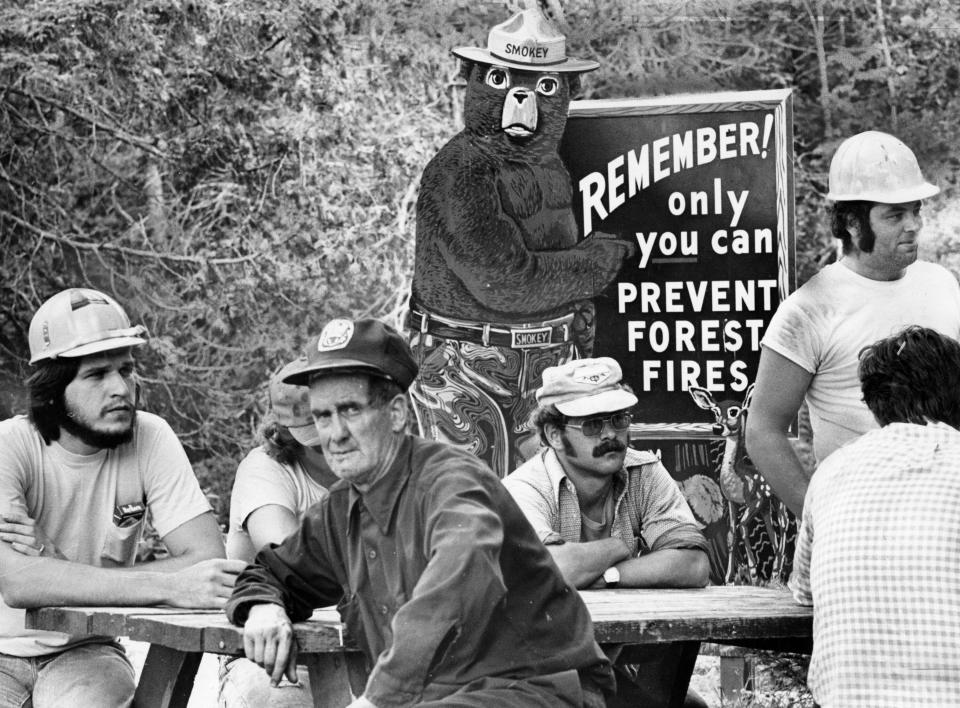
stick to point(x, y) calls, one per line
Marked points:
point(237, 173)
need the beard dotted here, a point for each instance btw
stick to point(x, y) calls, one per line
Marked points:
point(97, 438)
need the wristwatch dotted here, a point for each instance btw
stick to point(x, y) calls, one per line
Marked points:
point(611, 576)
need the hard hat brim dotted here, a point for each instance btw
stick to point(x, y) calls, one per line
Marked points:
point(103, 345)
point(891, 196)
point(485, 56)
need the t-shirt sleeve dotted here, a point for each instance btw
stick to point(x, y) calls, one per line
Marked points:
point(170, 486)
point(15, 458)
point(261, 481)
point(667, 520)
point(792, 333)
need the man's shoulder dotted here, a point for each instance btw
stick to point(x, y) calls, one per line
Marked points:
point(18, 433)
point(17, 426)
point(637, 459)
point(429, 458)
point(926, 271)
point(532, 471)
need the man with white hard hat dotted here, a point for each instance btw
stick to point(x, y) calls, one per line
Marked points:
point(810, 349)
point(77, 476)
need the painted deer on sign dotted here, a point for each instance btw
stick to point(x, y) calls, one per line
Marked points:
point(749, 498)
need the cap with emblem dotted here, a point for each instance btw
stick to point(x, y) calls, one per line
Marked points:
point(527, 41)
point(291, 405)
point(349, 346)
point(584, 387)
point(80, 321)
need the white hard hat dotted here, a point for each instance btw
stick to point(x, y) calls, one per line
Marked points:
point(78, 322)
point(877, 167)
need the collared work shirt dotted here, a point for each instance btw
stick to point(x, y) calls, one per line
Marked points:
point(650, 511)
point(878, 556)
point(439, 578)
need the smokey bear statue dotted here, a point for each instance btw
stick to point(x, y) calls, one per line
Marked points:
point(502, 286)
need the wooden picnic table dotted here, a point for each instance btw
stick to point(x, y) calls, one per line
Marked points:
point(623, 618)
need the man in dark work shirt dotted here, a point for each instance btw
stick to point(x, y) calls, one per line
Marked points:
point(440, 577)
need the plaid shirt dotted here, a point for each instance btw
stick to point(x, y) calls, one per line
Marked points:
point(651, 513)
point(879, 558)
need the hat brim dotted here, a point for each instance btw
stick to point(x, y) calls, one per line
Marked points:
point(485, 56)
point(604, 402)
point(894, 196)
point(333, 366)
point(104, 345)
point(306, 435)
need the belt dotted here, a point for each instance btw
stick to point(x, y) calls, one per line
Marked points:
point(527, 336)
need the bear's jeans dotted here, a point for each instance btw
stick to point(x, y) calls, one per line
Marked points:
point(97, 674)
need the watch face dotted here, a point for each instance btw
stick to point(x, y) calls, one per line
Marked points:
point(611, 576)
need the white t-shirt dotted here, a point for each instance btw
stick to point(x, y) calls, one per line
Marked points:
point(260, 481)
point(72, 498)
point(823, 326)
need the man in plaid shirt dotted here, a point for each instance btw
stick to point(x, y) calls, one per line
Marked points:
point(609, 515)
point(879, 550)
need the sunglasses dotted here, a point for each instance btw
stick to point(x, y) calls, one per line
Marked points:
point(592, 427)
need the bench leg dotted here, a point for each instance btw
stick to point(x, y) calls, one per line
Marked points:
point(335, 678)
point(737, 674)
point(167, 678)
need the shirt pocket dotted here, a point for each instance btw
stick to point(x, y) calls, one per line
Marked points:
point(120, 544)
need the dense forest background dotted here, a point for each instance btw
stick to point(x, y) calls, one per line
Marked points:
point(236, 173)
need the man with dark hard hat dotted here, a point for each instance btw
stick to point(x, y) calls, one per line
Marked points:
point(610, 516)
point(810, 348)
point(440, 578)
point(77, 477)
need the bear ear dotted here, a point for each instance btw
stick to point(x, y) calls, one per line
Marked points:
point(465, 66)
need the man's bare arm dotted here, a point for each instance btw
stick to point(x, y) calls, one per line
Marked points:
point(582, 563)
point(38, 581)
point(667, 568)
point(196, 540)
point(781, 386)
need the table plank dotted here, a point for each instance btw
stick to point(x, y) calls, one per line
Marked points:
point(621, 616)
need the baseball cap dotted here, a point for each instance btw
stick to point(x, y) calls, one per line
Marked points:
point(291, 405)
point(529, 42)
point(367, 345)
point(584, 387)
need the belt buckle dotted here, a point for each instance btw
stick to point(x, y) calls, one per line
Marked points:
point(531, 337)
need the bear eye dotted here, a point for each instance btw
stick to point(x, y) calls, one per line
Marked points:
point(547, 85)
point(498, 78)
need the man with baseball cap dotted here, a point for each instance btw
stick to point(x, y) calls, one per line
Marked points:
point(810, 348)
point(275, 485)
point(77, 477)
point(440, 578)
point(610, 515)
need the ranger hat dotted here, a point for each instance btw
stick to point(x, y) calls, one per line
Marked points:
point(367, 346)
point(291, 405)
point(527, 41)
point(80, 321)
point(585, 387)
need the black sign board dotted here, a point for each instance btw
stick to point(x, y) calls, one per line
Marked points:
point(703, 185)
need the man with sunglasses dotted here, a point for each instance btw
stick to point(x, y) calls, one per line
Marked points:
point(609, 515)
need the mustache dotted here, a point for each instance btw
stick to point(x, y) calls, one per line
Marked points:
point(609, 446)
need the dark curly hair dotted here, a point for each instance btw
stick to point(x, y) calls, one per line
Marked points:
point(912, 377)
point(857, 212)
point(46, 386)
